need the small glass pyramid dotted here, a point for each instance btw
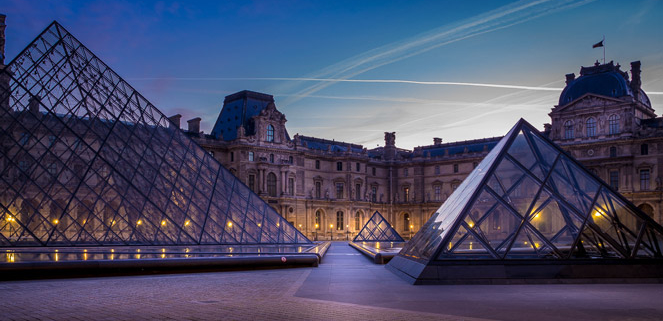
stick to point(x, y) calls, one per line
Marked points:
point(377, 229)
point(86, 160)
point(529, 200)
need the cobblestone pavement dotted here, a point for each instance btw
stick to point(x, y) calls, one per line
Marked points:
point(347, 286)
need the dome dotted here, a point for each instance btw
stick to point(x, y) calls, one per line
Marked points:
point(605, 80)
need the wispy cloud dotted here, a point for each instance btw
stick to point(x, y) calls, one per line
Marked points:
point(497, 19)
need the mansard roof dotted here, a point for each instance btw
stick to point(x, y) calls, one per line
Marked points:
point(601, 79)
point(455, 148)
point(328, 145)
point(238, 109)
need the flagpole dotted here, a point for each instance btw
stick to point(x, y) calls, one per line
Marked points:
point(603, 41)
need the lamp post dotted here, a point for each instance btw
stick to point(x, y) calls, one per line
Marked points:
point(347, 232)
point(411, 228)
point(316, 231)
point(331, 232)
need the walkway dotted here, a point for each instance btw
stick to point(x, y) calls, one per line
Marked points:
point(347, 286)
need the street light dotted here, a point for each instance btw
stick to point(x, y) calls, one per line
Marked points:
point(331, 232)
point(347, 232)
point(411, 228)
point(316, 231)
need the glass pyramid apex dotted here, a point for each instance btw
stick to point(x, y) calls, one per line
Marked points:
point(87, 160)
point(378, 229)
point(528, 199)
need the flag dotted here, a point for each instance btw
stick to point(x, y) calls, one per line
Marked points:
point(598, 44)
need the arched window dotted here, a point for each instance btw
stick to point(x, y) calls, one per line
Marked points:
point(406, 222)
point(613, 124)
point(357, 221)
point(270, 133)
point(568, 130)
point(647, 209)
point(318, 219)
point(591, 127)
point(339, 220)
point(271, 184)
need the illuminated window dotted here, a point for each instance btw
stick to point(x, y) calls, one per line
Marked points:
point(339, 220)
point(270, 133)
point(406, 194)
point(591, 127)
point(438, 192)
point(250, 156)
point(568, 130)
point(357, 221)
point(318, 222)
point(613, 124)
point(406, 222)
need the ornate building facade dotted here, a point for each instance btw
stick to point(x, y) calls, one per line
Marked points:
point(328, 189)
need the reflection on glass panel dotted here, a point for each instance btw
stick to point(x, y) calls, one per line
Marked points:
point(98, 164)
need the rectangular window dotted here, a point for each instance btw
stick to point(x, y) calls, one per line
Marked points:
point(232, 156)
point(406, 194)
point(644, 149)
point(374, 194)
point(358, 167)
point(339, 166)
point(339, 220)
point(318, 190)
point(317, 164)
point(438, 192)
point(437, 170)
point(271, 158)
point(358, 192)
point(614, 179)
point(291, 186)
point(455, 168)
point(252, 182)
point(373, 171)
point(339, 190)
point(405, 172)
point(250, 156)
point(644, 179)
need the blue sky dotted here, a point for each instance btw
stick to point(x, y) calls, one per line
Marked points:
point(186, 56)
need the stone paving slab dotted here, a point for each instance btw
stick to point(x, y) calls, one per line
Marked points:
point(344, 287)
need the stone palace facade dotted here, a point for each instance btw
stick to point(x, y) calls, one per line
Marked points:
point(328, 189)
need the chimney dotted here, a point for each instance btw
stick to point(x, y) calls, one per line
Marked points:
point(2, 39)
point(33, 104)
point(437, 141)
point(570, 77)
point(194, 125)
point(175, 119)
point(389, 150)
point(635, 81)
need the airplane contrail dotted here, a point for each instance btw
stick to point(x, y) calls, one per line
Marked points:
point(497, 19)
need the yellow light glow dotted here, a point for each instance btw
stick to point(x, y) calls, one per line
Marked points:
point(112, 222)
point(56, 221)
point(187, 222)
point(597, 214)
point(331, 225)
point(56, 256)
point(536, 216)
point(411, 226)
point(278, 224)
point(300, 226)
point(139, 222)
point(230, 224)
point(85, 255)
point(259, 225)
point(536, 245)
point(11, 258)
point(377, 245)
point(163, 223)
point(471, 224)
point(231, 250)
point(316, 225)
point(163, 250)
point(525, 242)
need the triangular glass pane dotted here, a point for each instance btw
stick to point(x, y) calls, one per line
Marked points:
point(520, 150)
point(544, 152)
point(527, 245)
point(114, 161)
point(377, 229)
point(470, 248)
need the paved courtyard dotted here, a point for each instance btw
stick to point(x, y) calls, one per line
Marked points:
point(347, 286)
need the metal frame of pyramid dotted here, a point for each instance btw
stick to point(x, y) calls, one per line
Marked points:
point(530, 203)
point(378, 229)
point(86, 160)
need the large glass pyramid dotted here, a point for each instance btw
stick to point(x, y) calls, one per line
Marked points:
point(377, 229)
point(86, 160)
point(529, 200)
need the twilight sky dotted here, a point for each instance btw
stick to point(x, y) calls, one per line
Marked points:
point(351, 70)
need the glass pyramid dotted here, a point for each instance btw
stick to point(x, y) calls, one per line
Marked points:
point(377, 229)
point(529, 200)
point(86, 160)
